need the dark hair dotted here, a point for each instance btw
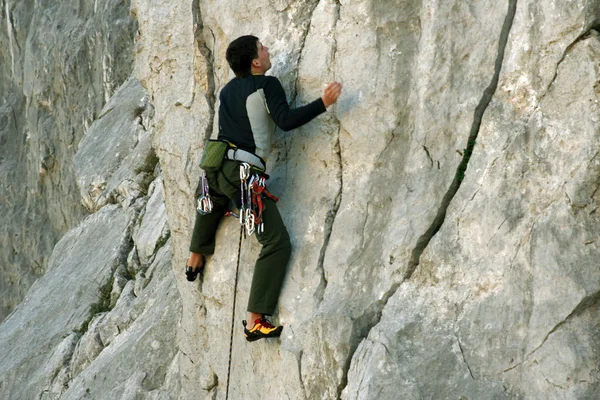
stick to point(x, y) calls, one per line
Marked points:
point(240, 54)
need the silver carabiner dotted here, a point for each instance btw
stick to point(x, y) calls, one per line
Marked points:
point(250, 224)
point(249, 217)
point(204, 205)
point(244, 171)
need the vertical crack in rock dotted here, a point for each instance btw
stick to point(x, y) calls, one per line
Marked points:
point(299, 358)
point(594, 26)
point(14, 117)
point(488, 93)
point(11, 37)
point(361, 326)
point(301, 51)
point(65, 363)
point(331, 215)
point(462, 352)
point(586, 303)
point(104, 303)
point(338, 8)
point(426, 152)
point(204, 57)
point(329, 221)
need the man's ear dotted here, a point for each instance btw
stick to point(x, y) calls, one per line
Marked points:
point(256, 63)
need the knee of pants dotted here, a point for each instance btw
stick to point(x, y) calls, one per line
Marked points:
point(286, 245)
point(278, 240)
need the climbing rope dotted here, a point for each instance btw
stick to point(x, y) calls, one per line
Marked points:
point(237, 268)
point(252, 188)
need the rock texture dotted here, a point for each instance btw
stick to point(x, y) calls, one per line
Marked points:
point(443, 213)
point(59, 64)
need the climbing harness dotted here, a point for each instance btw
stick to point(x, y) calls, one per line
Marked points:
point(205, 204)
point(253, 190)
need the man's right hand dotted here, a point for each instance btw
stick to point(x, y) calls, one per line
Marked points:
point(331, 93)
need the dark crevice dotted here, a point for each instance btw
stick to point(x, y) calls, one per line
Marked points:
point(204, 55)
point(428, 155)
point(335, 44)
point(554, 384)
point(14, 116)
point(590, 301)
point(361, 326)
point(362, 379)
point(104, 303)
point(462, 352)
point(363, 233)
point(301, 51)
point(592, 27)
point(12, 29)
point(329, 221)
point(299, 358)
point(587, 302)
point(511, 368)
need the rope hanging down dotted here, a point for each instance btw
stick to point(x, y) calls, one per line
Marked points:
point(237, 268)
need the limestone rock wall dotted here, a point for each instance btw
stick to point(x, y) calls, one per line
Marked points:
point(443, 213)
point(59, 64)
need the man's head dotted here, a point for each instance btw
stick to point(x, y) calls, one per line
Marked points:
point(246, 55)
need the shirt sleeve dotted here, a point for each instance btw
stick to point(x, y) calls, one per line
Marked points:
point(285, 117)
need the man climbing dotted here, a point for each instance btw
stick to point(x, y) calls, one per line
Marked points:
point(251, 105)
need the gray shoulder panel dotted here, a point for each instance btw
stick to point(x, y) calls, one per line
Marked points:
point(261, 122)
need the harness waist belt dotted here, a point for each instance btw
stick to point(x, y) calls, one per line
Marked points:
point(245, 156)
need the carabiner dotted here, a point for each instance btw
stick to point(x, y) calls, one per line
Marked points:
point(244, 171)
point(204, 205)
point(250, 224)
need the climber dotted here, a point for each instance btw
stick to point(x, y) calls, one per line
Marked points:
point(251, 105)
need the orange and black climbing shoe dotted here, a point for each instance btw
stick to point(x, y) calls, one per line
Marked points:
point(261, 329)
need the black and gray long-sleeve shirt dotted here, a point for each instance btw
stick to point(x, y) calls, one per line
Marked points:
point(252, 106)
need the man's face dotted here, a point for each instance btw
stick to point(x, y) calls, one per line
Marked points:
point(264, 59)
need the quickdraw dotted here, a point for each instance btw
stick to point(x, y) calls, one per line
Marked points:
point(205, 204)
point(253, 188)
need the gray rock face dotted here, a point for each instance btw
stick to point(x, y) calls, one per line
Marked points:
point(101, 322)
point(115, 161)
point(443, 213)
point(59, 64)
point(46, 323)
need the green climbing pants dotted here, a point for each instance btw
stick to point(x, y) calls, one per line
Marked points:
point(270, 268)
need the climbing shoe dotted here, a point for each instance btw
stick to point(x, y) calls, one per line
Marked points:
point(191, 273)
point(261, 329)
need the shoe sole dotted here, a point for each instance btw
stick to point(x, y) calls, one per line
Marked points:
point(252, 337)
